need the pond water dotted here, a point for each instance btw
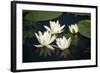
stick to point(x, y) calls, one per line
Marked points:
point(81, 50)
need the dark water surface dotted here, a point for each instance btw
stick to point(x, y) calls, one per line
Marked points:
point(80, 52)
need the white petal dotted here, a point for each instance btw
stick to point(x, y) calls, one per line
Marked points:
point(71, 30)
point(61, 31)
point(37, 36)
point(52, 26)
point(76, 28)
point(55, 46)
point(73, 27)
point(61, 42)
point(38, 45)
point(57, 39)
point(62, 48)
point(52, 39)
point(65, 40)
point(62, 27)
point(51, 22)
point(58, 42)
point(45, 38)
point(40, 37)
point(40, 33)
point(69, 41)
point(47, 28)
point(57, 22)
point(48, 38)
point(50, 47)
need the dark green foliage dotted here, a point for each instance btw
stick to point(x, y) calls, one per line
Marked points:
point(41, 15)
point(85, 28)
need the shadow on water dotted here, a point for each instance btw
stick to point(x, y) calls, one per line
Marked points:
point(80, 52)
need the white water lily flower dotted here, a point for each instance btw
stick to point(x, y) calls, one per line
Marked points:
point(73, 28)
point(63, 43)
point(45, 39)
point(55, 27)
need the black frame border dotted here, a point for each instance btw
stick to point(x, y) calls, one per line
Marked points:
point(13, 35)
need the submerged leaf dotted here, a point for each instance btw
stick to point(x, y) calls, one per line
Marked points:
point(41, 15)
point(85, 28)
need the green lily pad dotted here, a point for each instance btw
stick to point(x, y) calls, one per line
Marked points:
point(79, 14)
point(85, 28)
point(41, 15)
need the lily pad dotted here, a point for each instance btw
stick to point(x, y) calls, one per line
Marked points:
point(79, 14)
point(41, 15)
point(85, 28)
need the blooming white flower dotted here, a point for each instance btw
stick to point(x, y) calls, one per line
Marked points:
point(55, 27)
point(63, 43)
point(73, 28)
point(45, 39)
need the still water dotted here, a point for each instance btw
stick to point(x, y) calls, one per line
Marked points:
point(80, 51)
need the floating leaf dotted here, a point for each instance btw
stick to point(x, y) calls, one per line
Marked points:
point(85, 28)
point(41, 15)
point(80, 14)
